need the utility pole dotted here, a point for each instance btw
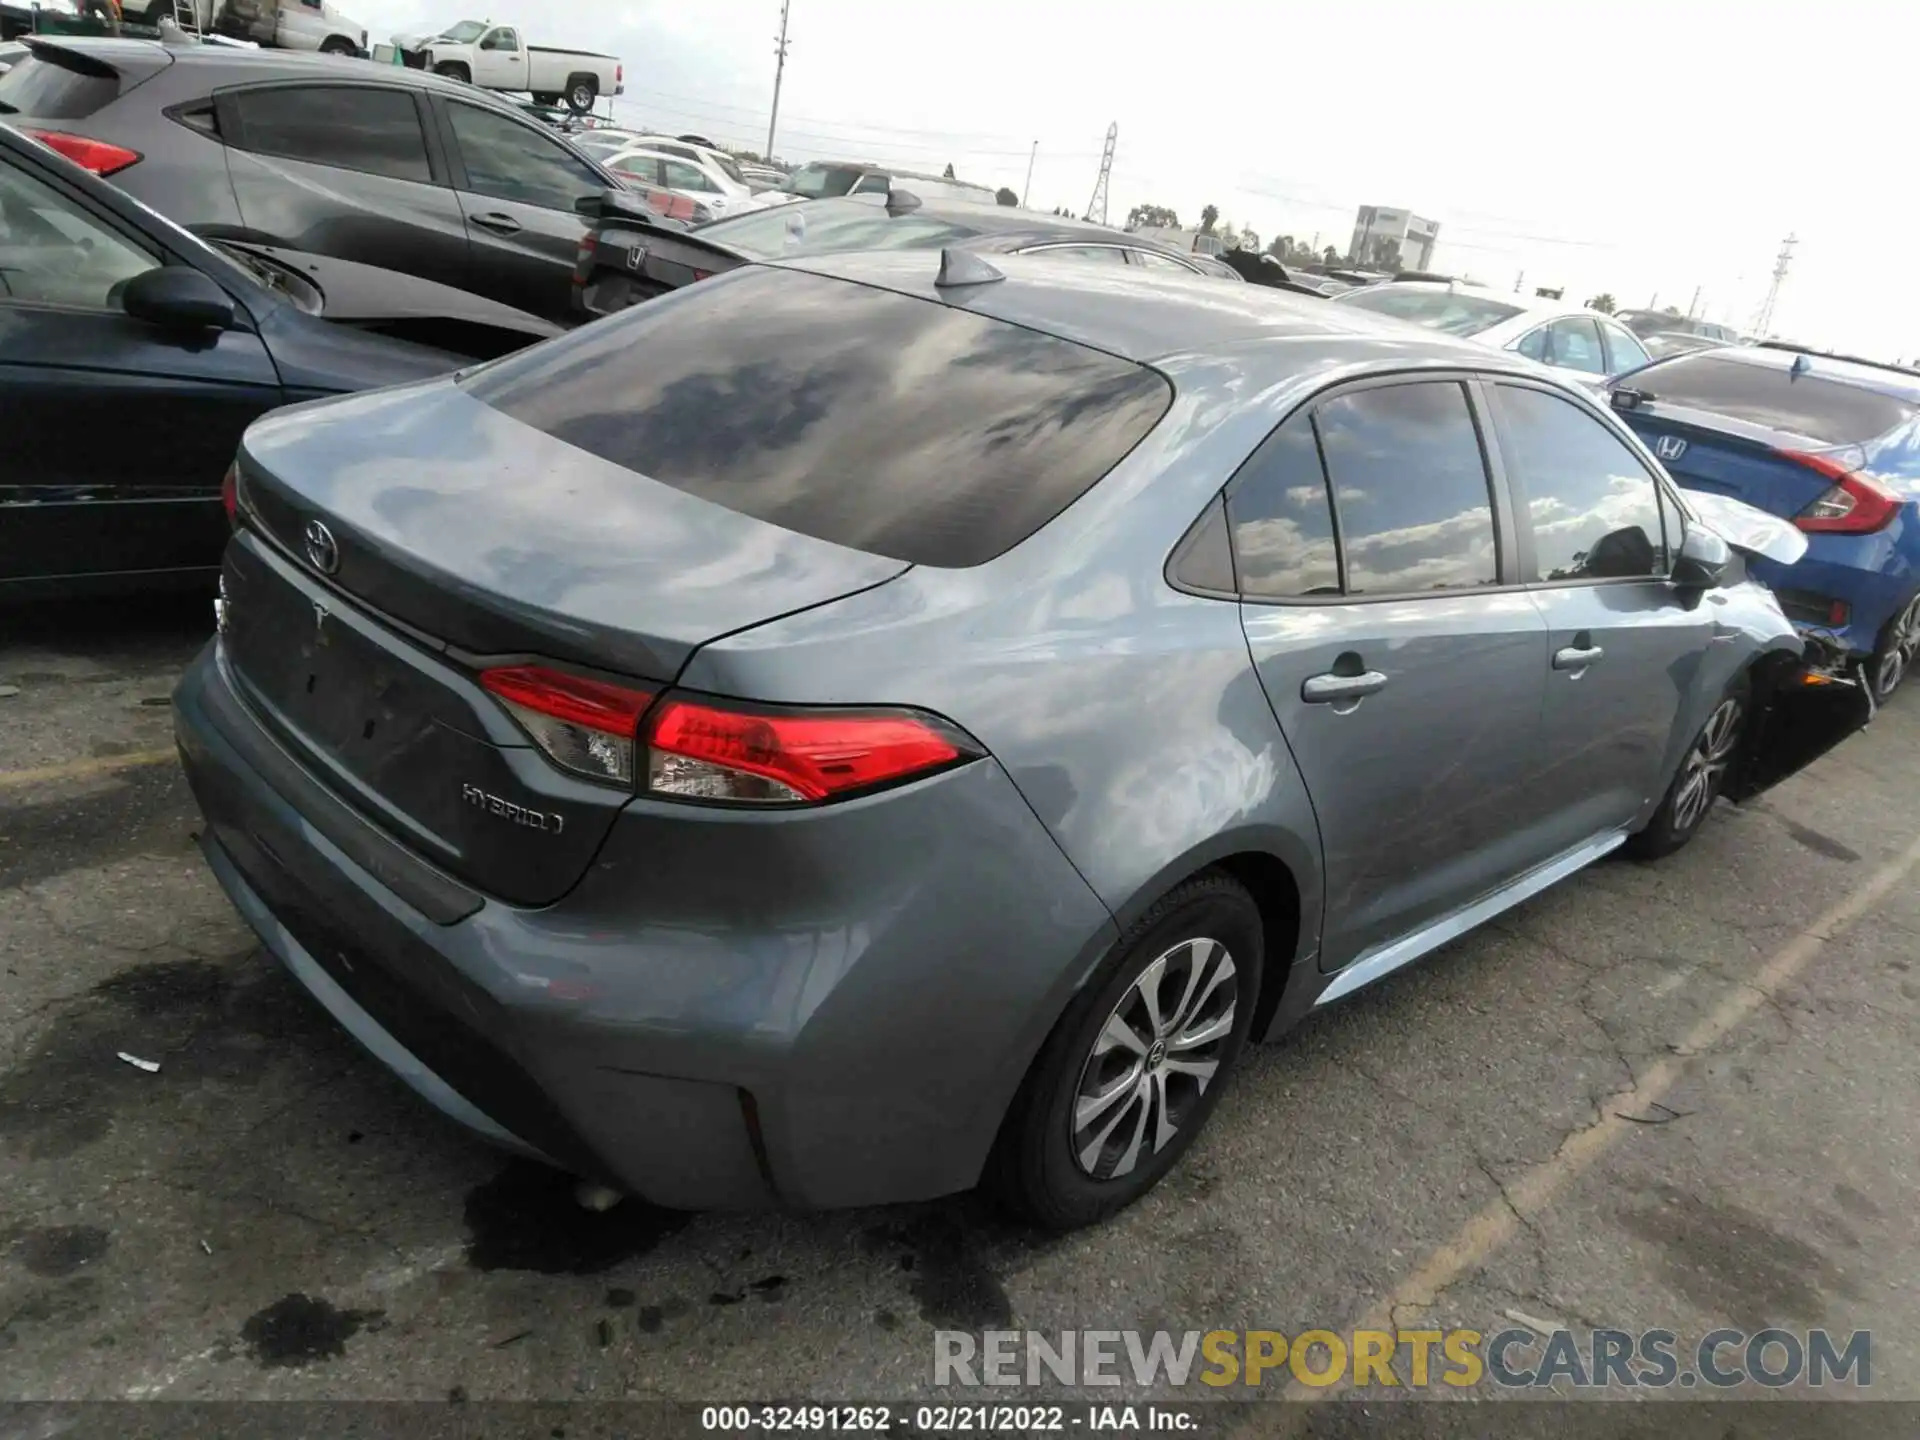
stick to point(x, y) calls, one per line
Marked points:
point(1031, 157)
point(779, 69)
point(1518, 281)
point(1097, 206)
point(1764, 320)
point(1694, 308)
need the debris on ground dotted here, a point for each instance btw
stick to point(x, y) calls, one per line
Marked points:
point(152, 1067)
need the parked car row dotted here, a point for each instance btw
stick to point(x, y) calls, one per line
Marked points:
point(375, 164)
point(904, 712)
point(629, 257)
point(133, 355)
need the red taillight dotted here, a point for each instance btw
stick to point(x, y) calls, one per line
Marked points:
point(704, 751)
point(702, 274)
point(1855, 504)
point(584, 725)
point(716, 750)
point(230, 494)
point(95, 155)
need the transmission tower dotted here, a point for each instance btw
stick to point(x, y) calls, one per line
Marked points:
point(1097, 206)
point(779, 69)
point(1764, 319)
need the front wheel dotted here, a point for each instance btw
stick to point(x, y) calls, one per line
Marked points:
point(451, 69)
point(1131, 1073)
point(338, 45)
point(1702, 776)
point(1894, 656)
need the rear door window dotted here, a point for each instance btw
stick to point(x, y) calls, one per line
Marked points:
point(898, 426)
point(1281, 517)
point(352, 127)
point(1410, 488)
point(52, 252)
point(1832, 412)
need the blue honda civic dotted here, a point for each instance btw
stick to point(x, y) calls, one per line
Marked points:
point(1830, 443)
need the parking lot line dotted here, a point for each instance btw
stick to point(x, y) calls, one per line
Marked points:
point(83, 769)
point(1494, 1226)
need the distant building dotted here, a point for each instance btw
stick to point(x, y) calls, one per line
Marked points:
point(1378, 231)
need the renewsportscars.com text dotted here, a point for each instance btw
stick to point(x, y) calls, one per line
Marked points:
point(1414, 1359)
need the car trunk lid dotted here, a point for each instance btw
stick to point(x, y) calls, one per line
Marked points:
point(393, 552)
point(496, 539)
point(1765, 468)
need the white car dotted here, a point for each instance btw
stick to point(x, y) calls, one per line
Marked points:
point(701, 181)
point(1581, 345)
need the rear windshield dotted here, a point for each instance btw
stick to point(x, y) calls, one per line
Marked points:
point(1830, 411)
point(813, 181)
point(46, 90)
point(893, 425)
point(1446, 310)
point(828, 227)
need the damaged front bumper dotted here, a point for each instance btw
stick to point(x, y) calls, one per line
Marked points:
point(1804, 707)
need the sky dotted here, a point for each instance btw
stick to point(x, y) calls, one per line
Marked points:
point(1653, 152)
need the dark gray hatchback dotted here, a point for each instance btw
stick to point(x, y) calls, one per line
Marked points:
point(324, 154)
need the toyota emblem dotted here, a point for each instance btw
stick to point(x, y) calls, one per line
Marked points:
point(322, 553)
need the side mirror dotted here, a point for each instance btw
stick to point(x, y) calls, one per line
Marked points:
point(1703, 560)
point(175, 297)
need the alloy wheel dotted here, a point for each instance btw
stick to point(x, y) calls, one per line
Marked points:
point(1706, 764)
point(1903, 644)
point(1154, 1058)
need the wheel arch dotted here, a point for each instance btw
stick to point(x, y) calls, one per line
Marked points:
point(1280, 871)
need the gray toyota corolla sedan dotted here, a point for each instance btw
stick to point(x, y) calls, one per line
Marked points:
point(857, 727)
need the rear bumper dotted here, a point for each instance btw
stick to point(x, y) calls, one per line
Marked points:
point(744, 1019)
point(1861, 570)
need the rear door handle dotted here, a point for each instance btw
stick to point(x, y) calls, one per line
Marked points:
point(499, 224)
point(1576, 658)
point(1331, 689)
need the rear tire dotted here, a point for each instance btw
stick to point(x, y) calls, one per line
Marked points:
point(1702, 776)
point(1114, 1099)
point(1893, 658)
point(582, 91)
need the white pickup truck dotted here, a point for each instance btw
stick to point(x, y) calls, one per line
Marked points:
point(284, 24)
point(496, 58)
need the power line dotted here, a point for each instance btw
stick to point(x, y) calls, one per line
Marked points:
point(1097, 206)
point(877, 140)
point(779, 69)
point(1764, 319)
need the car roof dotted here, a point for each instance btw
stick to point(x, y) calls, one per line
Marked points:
point(1008, 226)
point(1154, 315)
point(1527, 304)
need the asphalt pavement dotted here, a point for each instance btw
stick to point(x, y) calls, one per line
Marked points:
point(1672, 1096)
